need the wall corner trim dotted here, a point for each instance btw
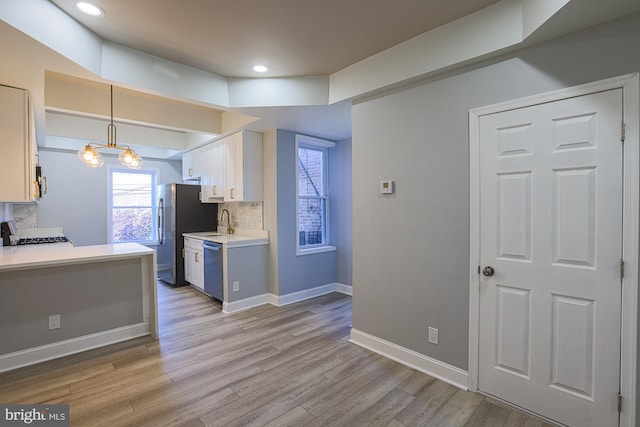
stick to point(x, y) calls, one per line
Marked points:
point(344, 289)
point(440, 370)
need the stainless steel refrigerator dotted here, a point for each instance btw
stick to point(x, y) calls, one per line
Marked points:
point(179, 211)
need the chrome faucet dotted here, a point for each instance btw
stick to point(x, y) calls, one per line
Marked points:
point(229, 228)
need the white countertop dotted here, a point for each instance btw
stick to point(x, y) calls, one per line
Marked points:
point(238, 239)
point(51, 254)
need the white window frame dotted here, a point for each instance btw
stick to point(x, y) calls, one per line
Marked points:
point(155, 173)
point(324, 146)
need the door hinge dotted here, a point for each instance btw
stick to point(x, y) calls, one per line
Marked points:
point(623, 131)
point(619, 402)
point(622, 269)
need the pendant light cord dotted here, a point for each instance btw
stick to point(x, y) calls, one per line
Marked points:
point(111, 104)
point(111, 129)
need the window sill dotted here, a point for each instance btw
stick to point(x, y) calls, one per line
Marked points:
point(315, 250)
point(144, 243)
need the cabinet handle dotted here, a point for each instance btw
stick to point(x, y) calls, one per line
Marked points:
point(232, 193)
point(197, 260)
point(190, 172)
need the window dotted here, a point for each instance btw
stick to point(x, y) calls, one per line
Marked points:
point(132, 203)
point(312, 194)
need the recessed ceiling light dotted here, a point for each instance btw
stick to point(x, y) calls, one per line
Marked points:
point(90, 9)
point(260, 68)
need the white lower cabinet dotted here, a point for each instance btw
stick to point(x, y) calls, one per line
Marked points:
point(194, 262)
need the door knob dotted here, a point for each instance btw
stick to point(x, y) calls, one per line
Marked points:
point(488, 271)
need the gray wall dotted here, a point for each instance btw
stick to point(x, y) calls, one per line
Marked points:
point(90, 298)
point(77, 198)
point(341, 212)
point(295, 273)
point(411, 249)
point(247, 265)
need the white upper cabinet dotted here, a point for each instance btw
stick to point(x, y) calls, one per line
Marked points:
point(243, 167)
point(195, 164)
point(212, 182)
point(17, 145)
point(232, 168)
point(187, 166)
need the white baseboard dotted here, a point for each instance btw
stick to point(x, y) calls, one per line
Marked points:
point(306, 294)
point(55, 350)
point(245, 304)
point(443, 371)
point(280, 300)
point(311, 293)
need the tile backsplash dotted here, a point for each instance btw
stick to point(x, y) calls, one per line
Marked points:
point(244, 215)
point(24, 214)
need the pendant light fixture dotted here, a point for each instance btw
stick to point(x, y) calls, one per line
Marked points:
point(90, 156)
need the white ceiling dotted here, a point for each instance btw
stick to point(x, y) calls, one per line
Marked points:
point(291, 37)
point(322, 55)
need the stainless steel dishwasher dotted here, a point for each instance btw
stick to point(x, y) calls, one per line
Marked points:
point(213, 269)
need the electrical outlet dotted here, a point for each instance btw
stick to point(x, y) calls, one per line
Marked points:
point(54, 321)
point(433, 335)
point(236, 286)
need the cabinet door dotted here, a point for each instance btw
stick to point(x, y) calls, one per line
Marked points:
point(206, 178)
point(188, 264)
point(198, 269)
point(212, 181)
point(194, 267)
point(217, 172)
point(250, 166)
point(243, 167)
point(198, 163)
point(17, 173)
point(234, 167)
point(187, 166)
point(230, 169)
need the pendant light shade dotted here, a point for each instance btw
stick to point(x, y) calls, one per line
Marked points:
point(90, 156)
point(130, 159)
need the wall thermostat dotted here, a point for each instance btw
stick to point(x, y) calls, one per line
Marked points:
point(386, 187)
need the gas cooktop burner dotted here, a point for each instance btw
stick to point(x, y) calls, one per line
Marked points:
point(39, 240)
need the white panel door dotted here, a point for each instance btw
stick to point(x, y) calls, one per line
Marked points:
point(551, 229)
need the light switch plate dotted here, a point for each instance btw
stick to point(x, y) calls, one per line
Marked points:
point(433, 335)
point(54, 321)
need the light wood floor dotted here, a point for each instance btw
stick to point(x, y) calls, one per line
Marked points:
point(287, 366)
